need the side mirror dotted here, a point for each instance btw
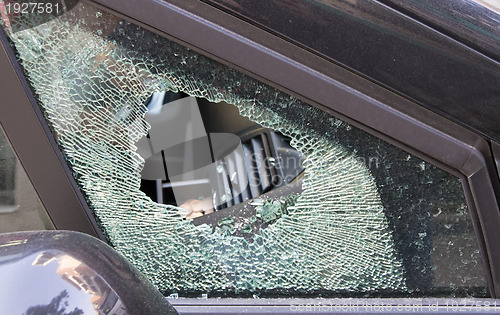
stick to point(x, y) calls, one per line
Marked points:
point(71, 273)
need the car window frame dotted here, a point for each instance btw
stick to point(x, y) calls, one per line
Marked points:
point(34, 145)
point(281, 64)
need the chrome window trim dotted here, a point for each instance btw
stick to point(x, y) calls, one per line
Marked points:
point(332, 306)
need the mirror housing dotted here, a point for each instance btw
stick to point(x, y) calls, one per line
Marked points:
point(71, 273)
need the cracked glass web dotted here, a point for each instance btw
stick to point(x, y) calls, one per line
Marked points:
point(370, 218)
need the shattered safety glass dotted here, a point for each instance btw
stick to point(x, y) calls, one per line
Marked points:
point(212, 182)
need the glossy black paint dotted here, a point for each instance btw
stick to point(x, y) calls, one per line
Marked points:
point(393, 50)
point(57, 267)
point(467, 21)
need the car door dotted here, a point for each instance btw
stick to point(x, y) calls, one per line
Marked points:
point(397, 207)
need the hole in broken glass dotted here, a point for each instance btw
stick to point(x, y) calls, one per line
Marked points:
point(205, 157)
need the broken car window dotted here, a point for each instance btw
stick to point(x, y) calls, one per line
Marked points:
point(349, 214)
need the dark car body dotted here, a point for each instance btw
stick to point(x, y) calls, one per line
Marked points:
point(423, 76)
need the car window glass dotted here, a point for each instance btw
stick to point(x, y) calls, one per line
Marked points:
point(349, 215)
point(20, 207)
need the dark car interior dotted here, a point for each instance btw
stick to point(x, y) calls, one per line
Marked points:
point(271, 165)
